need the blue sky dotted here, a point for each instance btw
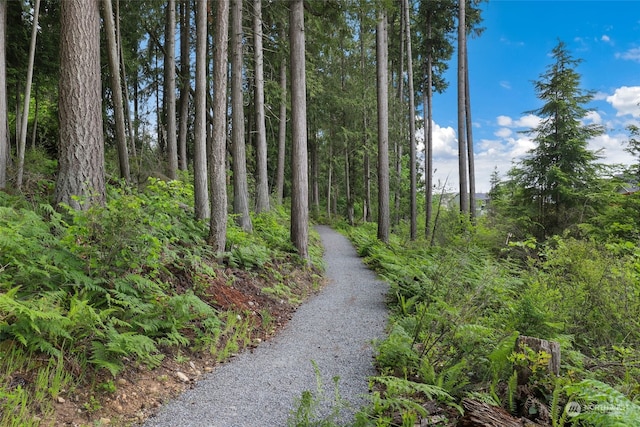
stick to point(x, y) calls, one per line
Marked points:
point(514, 51)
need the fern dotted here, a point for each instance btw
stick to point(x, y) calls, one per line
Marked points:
point(602, 405)
point(397, 388)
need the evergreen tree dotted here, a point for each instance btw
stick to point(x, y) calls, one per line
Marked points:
point(556, 174)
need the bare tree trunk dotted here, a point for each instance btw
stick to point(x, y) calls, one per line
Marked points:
point(299, 172)
point(170, 90)
point(36, 110)
point(4, 129)
point(472, 173)
point(428, 141)
point(366, 214)
point(185, 86)
point(27, 97)
point(462, 145)
point(412, 130)
point(131, 135)
point(262, 184)
point(315, 173)
point(282, 133)
point(383, 127)
point(201, 193)
point(330, 174)
point(240, 185)
point(81, 160)
point(217, 160)
point(116, 90)
point(347, 185)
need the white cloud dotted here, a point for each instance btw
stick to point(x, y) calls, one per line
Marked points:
point(593, 117)
point(605, 38)
point(626, 100)
point(503, 132)
point(613, 148)
point(632, 54)
point(529, 121)
point(505, 84)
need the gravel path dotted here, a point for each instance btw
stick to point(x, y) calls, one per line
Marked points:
point(334, 329)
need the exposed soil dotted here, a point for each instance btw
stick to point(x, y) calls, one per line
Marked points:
point(138, 392)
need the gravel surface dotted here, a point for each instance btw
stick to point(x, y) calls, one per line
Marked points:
point(334, 330)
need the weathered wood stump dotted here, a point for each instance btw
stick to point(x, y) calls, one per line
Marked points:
point(537, 345)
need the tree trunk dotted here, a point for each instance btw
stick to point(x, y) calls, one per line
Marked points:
point(366, 214)
point(4, 114)
point(428, 140)
point(22, 142)
point(412, 130)
point(116, 90)
point(467, 109)
point(238, 149)
point(170, 90)
point(201, 194)
point(185, 86)
point(131, 135)
point(462, 146)
point(262, 184)
point(282, 134)
point(299, 172)
point(383, 127)
point(81, 159)
point(217, 159)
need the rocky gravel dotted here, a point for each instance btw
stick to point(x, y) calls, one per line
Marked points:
point(332, 332)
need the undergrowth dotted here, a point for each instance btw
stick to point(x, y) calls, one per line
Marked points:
point(88, 292)
point(458, 307)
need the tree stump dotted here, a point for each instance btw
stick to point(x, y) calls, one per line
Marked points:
point(537, 345)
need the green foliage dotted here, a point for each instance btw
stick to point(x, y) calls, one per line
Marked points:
point(602, 406)
point(310, 409)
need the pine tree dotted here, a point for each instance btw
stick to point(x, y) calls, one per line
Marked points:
point(556, 174)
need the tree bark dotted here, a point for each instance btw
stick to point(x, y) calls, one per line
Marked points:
point(262, 184)
point(81, 160)
point(462, 146)
point(4, 114)
point(217, 159)
point(299, 167)
point(201, 194)
point(413, 184)
point(383, 127)
point(282, 133)
point(428, 140)
point(238, 147)
point(480, 414)
point(116, 90)
point(471, 156)
point(185, 86)
point(170, 90)
point(22, 142)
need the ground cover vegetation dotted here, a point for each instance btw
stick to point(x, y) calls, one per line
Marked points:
point(94, 301)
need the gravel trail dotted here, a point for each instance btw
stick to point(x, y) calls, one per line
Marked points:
point(334, 330)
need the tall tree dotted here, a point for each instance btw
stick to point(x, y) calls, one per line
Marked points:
point(462, 145)
point(282, 133)
point(185, 85)
point(299, 167)
point(217, 157)
point(22, 142)
point(469, 135)
point(201, 194)
point(116, 91)
point(4, 130)
point(81, 160)
point(262, 184)
point(556, 174)
point(413, 185)
point(382, 71)
point(238, 146)
point(170, 90)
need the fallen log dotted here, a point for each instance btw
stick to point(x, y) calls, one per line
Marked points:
point(480, 414)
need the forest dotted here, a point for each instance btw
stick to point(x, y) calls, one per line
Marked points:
point(160, 160)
